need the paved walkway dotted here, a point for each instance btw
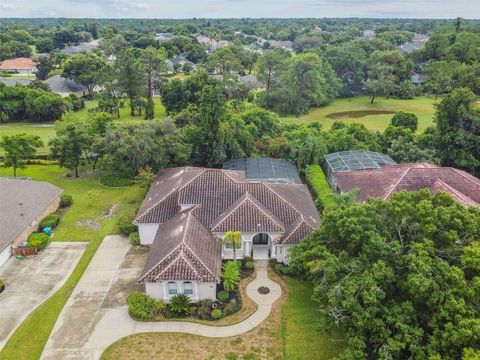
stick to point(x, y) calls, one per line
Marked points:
point(107, 325)
point(32, 280)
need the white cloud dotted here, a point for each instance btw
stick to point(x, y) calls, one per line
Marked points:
point(8, 6)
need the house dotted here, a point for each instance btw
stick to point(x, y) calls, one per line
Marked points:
point(14, 81)
point(64, 87)
point(286, 45)
point(353, 160)
point(389, 179)
point(22, 66)
point(251, 81)
point(418, 79)
point(176, 64)
point(163, 37)
point(187, 213)
point(23, 204)
point(369, 34)
point(81, 47)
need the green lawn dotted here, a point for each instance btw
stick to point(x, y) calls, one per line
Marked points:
point(46, 131)
point(422, 106)
point(301, 338)
point(91, 202)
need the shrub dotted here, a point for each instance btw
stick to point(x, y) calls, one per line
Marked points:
point(134, 238)
point(319, 186)
point(405, 119)
point(279, 268)
point(144, 307)
point(231, 307)
point(180, 305)
point(1, 283)
point(230, 275)
point(203, 310)
point(216, 314)
point(223, 295)
point(37, 240)
point(65, 200)
point(41, 162)
point(51, 220)
point(249, 265)
point(112, 180)
point(126, 225)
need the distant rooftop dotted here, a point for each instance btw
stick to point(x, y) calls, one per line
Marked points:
point(265, 169)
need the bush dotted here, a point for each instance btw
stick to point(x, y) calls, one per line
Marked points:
point(319, 186)
point(144, 307)
point(278, 268)
point(216, 314)
point(134, 238)
point(126, 225)
point(249, 265)
point(231, 307)
point(65, 200)
point(41, 162)
point(37, 240)
point(1, 283)
point(51, 220)
point(223, 295)
point(115, 181)
point(180, 305)
point(230, 275)
point(203, 310)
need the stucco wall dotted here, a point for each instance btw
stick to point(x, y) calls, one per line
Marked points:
point(147, 233)
point(283, 255)
point(247, 243)
point(201, 290)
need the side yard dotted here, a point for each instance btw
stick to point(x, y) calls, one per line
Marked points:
point(94, 214)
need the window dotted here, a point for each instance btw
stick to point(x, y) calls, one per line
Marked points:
point(188, 288)
point(229, 246)
point(172, 288)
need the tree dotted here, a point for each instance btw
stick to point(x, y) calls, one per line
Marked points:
point(380, 82)
point(109, 95)
point(405, 119)
point(70, 143)
point(234, 238)
point(130, 76)
point(155, 65)
point(397, 277)
point(458, 131)
point(224, 61)
point(270, 64)
point(18, 148)
point(84, 68)
point(44, 66)
point(440, 76)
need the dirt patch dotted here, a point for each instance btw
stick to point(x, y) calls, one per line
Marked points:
point(112, 211)
point(357, 114)
point(91, 224)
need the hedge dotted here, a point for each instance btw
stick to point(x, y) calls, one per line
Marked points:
point(144, 307)
point(65, 200)
point(319, 186)
point(51, 220)
point(115, 181)
point(37, 240)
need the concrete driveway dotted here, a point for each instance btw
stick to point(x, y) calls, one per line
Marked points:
point(32, 280)
point(111, 275)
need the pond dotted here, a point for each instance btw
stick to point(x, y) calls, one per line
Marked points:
point(356, 114)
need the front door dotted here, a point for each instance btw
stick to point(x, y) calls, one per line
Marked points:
point(260, 245)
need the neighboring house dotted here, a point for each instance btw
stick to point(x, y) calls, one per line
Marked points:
point(64, 87)
point(385, 181)
point(83, 46)
point(353, 160)
point(252, 82)
point(22, 66)
point(178, 61)
point(418, 79)
point(418, 42)
point(163, 37)
point(187, 212)
point(23, 204)
point(265, 169)
point(286, 45)
point(14, 81)
point(369, 34)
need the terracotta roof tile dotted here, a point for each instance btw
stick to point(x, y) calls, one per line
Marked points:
point(17, 64)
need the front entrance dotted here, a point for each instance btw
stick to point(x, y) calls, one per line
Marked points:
point(261, 243)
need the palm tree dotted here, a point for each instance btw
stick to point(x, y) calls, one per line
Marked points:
point(235, 239)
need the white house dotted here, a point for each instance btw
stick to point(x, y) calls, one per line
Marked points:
point(188, 211)
point(21, 66)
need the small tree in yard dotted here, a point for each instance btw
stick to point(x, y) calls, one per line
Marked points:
point(235, 239)
point(230, 275)
point(18, 148)
point(71, 142)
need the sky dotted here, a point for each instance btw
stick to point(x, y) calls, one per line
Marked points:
point(175, 9)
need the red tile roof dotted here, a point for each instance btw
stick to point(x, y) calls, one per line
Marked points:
point(216, 201)
point(383, 182)
point(17, 64)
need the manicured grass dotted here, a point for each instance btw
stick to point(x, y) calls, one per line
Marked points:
point(91, 205)
point(46, 131)
point(300, 335)
point(422, 106)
